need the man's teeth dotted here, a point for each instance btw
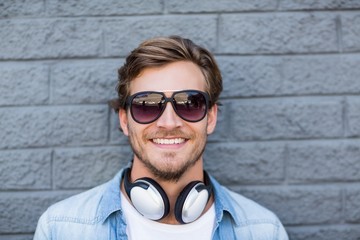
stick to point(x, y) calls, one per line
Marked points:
point(168, 141)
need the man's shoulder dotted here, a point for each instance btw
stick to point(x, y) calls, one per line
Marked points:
point(80, 207)
point(239, 206)
point(252, 219)
point(69, 217)
point(249, 208)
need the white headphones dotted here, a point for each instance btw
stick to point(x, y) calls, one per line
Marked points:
point(151, 201)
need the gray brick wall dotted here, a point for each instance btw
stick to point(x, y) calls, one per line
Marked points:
point(288, 134)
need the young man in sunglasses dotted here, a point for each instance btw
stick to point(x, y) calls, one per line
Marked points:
point(168, 93)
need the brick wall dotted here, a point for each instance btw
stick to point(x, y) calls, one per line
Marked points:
point(289, 129)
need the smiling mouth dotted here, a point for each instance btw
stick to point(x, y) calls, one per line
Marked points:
point(168, 141)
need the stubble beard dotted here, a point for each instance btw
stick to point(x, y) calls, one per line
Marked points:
point(168, 172)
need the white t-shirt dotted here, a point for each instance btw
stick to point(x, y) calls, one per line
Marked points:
point(141, 228)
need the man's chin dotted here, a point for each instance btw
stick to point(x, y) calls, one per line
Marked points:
point(168, 173)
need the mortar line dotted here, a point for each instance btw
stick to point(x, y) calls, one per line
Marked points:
point(218, 29)
point(50, 84)
point(109, 124)
point(343, 203)
point(338, 24)
point(52, 170)
point(345, 117)
point(286, 162)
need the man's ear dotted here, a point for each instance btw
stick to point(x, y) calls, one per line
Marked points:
point(211, 119)
point(123, 120)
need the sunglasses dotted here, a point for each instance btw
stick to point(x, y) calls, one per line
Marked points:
point(147, 107)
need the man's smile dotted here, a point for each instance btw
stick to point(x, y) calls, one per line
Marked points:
point(168, 141)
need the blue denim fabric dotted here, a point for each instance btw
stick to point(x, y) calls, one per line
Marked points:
point(96, 215)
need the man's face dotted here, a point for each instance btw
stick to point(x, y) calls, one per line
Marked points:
point(170, 145)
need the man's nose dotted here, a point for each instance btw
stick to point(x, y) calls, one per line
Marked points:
point(169, 119)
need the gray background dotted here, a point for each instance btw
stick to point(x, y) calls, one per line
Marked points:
point(288, 134)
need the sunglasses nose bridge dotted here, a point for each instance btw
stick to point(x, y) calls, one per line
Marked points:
point(165, 101)
point(169, 117)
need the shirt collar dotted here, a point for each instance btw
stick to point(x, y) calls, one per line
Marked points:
point(223, 203)
point(111, 200)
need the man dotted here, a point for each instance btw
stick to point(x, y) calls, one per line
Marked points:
point(168, 94)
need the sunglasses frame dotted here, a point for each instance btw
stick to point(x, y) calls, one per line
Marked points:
point(165, 100)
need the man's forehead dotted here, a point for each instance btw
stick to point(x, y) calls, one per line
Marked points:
point(172, 77)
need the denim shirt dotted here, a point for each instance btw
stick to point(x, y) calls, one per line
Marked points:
point(97, 215)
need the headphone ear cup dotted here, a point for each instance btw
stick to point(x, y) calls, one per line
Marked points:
point(191, 202)
point(147, 197)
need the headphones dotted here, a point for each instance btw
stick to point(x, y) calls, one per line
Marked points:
point(151, 201)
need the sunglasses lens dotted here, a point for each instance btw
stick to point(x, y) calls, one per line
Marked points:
point(146, 107)
point(190, 105)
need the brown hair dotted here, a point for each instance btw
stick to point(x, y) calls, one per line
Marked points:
point(160, 51)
